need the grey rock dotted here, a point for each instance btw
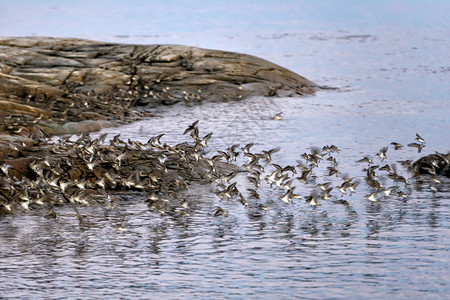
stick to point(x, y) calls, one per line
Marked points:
point(46, 82)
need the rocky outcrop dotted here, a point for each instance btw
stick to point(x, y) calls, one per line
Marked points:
point(47, 82)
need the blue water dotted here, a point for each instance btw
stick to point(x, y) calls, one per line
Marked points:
point(390, 63)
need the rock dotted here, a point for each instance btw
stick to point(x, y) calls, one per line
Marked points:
point(54, 86)
point(433, 164)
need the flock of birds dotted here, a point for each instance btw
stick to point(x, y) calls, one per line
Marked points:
point(81, 170)
point(322, 183)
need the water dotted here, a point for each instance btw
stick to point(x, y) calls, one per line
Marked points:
point(389, 60)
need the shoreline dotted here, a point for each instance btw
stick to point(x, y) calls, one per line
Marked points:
point(51, 86)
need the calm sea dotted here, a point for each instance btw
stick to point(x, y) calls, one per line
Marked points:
point(391, 65)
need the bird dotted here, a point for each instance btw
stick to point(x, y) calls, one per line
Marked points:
point(304, 176)
point(333, 171)
point(312, 198)
point(324, 186)
point(190, 127)
point(402, 194)
point(289, 195)
point(5, 167)
point(233, 152)
point(420, 139)
point(253, 193)
point(254, 180)
point(331, 148)
point(263, 207)
point(386, 168)
point(343, 202)
point(372, 196)
point(365, 159)
point(220, 212)
point(387, 192)
point(246, 148)
point(326, 193)
point(267, 155)
point(273, 176)
point(204, 141)
point(416, 145)
point(396, 145)
point(277, 116)
point(242, 200)
point(382, 153)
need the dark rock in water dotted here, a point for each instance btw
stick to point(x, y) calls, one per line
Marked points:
point(433, 164)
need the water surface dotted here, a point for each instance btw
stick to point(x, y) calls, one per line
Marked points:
point(390, 61)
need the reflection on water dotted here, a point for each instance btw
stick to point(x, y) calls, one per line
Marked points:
point(368, 249)
point(393, 83)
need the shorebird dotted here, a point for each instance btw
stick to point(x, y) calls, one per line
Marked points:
point(191, 127)
point(228, 192)
point(386, 168)
point(277, 116)
point(343, 202)
point(387, 192)
point(225, 155)
point(331, 148)
point(287, 185)
point(396, 145)
point(233, 153)
point(333, 171)
point(246, 148)
point(416, 145)
point(402, 194)
point(382, 153)
point(365, 159)
point(289, 169)
point(272, 177)
point(304, 177)
point(229, 176)
point(204, 141)
point(312, 198)
point(267, 155)
point(220, 212)
point(242, 200)
point(371, 196)
point(253, 194)
point(324, 186)
point(342, 188)
point(263, 207)
point(420, 139)
point(254, 180)
point(279, 180)
point(352, 186)
point(326, 194)
point(5, 167)
point(333, 161)
point(287, 197)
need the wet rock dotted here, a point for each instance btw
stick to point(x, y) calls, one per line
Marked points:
point(433, 164)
